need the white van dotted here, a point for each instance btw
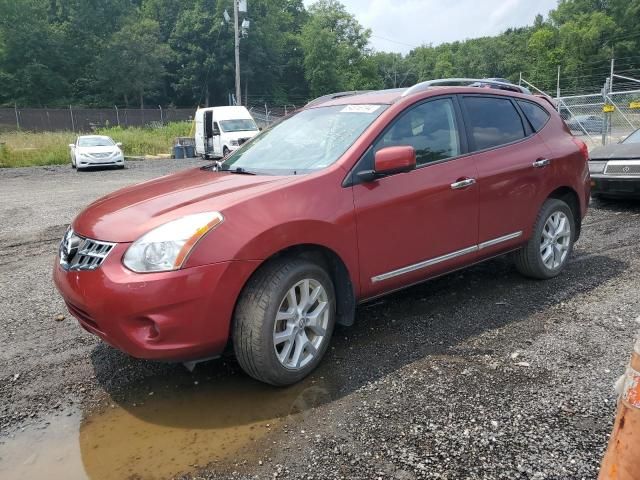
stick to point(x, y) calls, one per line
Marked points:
point(220, 130)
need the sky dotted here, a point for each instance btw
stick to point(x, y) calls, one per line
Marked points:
point(400, 25)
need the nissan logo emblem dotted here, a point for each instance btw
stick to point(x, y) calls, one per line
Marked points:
point(626, 169)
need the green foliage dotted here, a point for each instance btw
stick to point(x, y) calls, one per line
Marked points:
point(335, 50)
point(136, 54)
point(181, 53)
point(23, 149)
point(139, 141)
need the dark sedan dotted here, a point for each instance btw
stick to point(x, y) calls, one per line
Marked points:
point(615, 169)
point(585, 124)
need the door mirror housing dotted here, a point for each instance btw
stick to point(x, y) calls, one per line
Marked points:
point(119, 144)
point(389, 161)
point(72, 145)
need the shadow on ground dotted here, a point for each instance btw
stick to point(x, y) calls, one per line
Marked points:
point(422, 321)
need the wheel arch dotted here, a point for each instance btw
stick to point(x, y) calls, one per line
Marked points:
point(571, 198)
point(337, 270)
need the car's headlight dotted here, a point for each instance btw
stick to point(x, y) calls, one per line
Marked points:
point(234, 143)
point(166, 247)
point(597, 167)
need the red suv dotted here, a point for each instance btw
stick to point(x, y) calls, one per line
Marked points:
point(353, 197)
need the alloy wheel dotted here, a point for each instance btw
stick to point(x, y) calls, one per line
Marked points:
point(301, 324)
point(555, 240)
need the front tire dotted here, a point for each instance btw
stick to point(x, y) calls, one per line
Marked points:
point(225, 152)
point(548, 250)
point(284, 320)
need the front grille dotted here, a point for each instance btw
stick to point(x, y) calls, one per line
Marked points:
point(101, 155)
point(623, 169)
point(80, 253)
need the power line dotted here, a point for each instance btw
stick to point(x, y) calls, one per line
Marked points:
point(395, 41)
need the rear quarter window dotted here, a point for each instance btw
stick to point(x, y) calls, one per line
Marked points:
point(537, 116)
point(493, 121)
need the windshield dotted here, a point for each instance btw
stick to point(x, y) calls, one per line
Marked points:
point(633, 138)
point(307, 141)
point(95, 142)
point(239, 125)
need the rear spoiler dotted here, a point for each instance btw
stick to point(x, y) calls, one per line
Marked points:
point(548, 99)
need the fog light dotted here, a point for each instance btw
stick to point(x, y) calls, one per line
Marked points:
point(153, 332)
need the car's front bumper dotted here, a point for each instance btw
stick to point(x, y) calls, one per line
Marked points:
point(176, 316)
point(85, 162)
point(615, 185)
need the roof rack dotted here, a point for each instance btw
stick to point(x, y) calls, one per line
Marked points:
point(419, 87)
point(333, 96)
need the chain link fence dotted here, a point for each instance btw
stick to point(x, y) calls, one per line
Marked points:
point(600, 119)
point(81, 120)
point(87, 119)
point(584, 116)
point(625, 117)
point(265, 114)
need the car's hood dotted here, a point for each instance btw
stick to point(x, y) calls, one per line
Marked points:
point(125, 215)
point(619, 151)
point(105, 149)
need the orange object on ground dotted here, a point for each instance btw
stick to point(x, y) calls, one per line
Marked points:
point(622, 459)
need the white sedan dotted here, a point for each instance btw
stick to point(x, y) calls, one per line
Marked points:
point(95, 151)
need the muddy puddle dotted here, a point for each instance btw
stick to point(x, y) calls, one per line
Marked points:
point(161, 431)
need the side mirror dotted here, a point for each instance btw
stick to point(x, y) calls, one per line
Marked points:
point(119, 144)
point(389, 161)
point(216, 131)
point(72, 145)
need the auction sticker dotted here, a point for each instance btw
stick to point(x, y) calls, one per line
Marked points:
point(360, 109)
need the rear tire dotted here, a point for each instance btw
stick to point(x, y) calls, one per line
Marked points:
point(546, 253)
point(280, 333)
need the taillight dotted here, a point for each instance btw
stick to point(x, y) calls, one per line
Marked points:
point(582, 146)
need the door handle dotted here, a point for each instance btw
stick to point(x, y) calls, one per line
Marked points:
point(541, 162)
point(460, 184)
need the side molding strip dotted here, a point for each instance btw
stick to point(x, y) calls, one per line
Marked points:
point(496, 241)
point(444, 258)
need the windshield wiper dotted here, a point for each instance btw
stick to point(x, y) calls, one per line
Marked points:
point(239, 170)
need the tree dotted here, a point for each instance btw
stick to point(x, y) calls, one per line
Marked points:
point(99, 52)
point(133, 64)
point(198, 60)
point(335, 47)
point(32, 60)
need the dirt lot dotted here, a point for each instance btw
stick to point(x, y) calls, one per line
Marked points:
point(481, 374)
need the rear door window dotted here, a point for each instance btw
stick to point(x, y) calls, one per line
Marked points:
point(492, 121)
point(430, 128)
point(536, 115)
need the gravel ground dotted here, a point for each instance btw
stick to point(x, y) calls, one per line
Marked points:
point(480, 374)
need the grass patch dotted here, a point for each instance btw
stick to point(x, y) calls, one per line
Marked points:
point(24, 149)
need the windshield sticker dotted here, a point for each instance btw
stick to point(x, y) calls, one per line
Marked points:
point(360, 109)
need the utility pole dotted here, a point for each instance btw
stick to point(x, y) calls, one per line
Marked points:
point(237, 49)
point(605, 123)
point(558, 84)
point(611, 76)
